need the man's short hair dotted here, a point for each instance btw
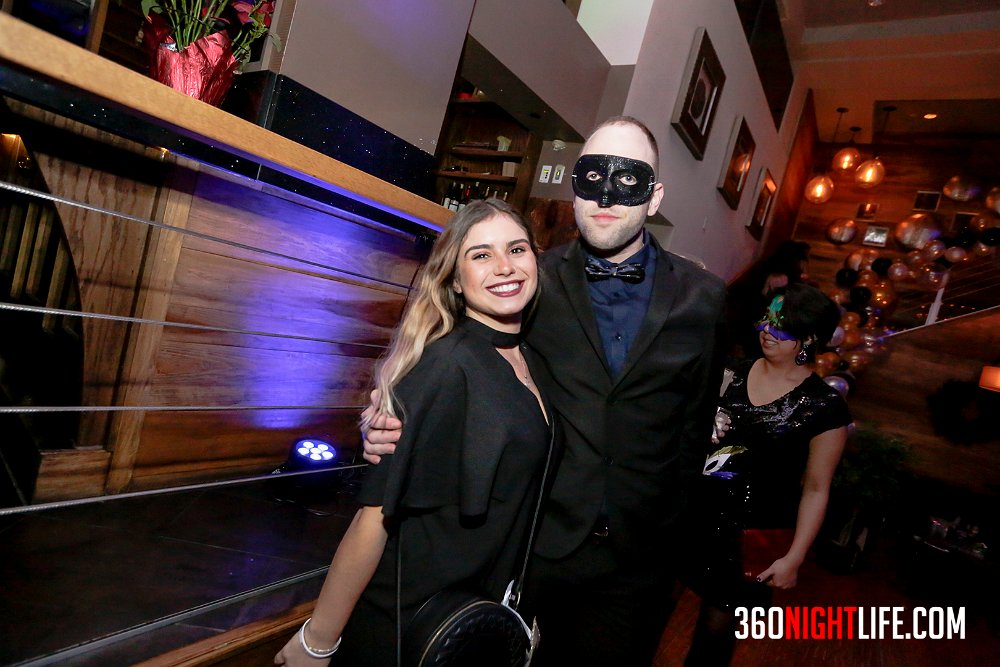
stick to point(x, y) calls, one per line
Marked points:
point(635, 122)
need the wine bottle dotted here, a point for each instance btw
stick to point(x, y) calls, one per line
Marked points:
point(446, 200)
point(464, 197)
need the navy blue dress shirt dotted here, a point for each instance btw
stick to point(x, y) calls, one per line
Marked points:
point(620, 307)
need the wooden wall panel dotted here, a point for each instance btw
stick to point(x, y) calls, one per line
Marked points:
point(107, 254)
point(182, 448)
point(229, 210)
point(220, 291)
point(224, 286)
point(352, 295)
point(152, 302)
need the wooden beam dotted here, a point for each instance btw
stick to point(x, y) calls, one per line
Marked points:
point(26, 47)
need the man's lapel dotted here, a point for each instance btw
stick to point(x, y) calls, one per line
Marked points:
point(661, 303)
point(572, 277)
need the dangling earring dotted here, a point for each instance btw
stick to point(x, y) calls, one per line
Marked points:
point(802, 357)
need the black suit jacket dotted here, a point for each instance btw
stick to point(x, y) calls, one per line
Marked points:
point(637, 439)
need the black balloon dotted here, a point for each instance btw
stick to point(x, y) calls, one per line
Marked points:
point(881, 266)
point(860, 311)
point(944, 263)
point(991, 236)
point(966, 238)
point(860, 296)
point(846, 277)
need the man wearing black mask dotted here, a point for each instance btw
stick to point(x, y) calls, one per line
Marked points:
point(631, 335)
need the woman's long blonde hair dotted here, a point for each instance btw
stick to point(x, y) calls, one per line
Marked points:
point(435, 308)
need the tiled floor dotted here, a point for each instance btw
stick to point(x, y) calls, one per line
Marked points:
point(74, 581)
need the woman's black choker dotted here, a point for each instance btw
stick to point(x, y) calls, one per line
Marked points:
point(504, 339)
point(496, 338)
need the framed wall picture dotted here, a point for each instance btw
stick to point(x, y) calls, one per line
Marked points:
point(766, 188)
point(733, 179)
point(866, 211)
point(876, 235)
point(962, 220)
point(926, 200)
point(698, 99)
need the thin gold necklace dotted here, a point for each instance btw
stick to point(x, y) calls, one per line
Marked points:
point(523, 371)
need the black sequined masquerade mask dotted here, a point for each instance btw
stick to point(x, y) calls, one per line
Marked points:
point(611, 179)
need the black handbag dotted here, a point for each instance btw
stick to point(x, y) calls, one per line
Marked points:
point(457, 627)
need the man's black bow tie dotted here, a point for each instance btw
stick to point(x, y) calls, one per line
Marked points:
point(630, 273)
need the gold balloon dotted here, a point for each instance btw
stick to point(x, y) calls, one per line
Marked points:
point(840, 296)
point(982, 250)
point(861, 259)
point(914, 259)
point(857, 360)
point(852, 338)
point(899, 271)
point(830, 359)
point(866, 278)
point(822, 368)
point(841, 230)
point(917, 231)
point(850, 320)
point(993, 199)
point(984, 221)
point(883, 294)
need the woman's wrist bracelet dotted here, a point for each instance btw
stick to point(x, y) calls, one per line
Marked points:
point(316, 652)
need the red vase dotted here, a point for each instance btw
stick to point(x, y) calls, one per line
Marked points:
point(204, 70)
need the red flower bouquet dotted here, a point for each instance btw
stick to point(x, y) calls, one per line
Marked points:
point(197, 46)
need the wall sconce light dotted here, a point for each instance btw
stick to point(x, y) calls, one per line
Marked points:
point(990, 378)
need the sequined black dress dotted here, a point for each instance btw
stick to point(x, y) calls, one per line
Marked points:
point(754, 479)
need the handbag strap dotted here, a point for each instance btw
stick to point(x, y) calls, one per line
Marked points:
point(515, 596)
point(515, 592)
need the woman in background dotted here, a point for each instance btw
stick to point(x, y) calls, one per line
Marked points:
point(787, 433)
point(461, 488)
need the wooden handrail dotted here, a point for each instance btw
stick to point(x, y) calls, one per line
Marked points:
point(30, 49)
point(266, 636)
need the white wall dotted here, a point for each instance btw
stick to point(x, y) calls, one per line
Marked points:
point(392, 62)
point(616, 27)
point(543, 45)
point(704, 225)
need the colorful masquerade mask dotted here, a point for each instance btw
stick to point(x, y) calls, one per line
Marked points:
point(611, 179)
point(771, 322)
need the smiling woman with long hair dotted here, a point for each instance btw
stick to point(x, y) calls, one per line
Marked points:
point(460, 490)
